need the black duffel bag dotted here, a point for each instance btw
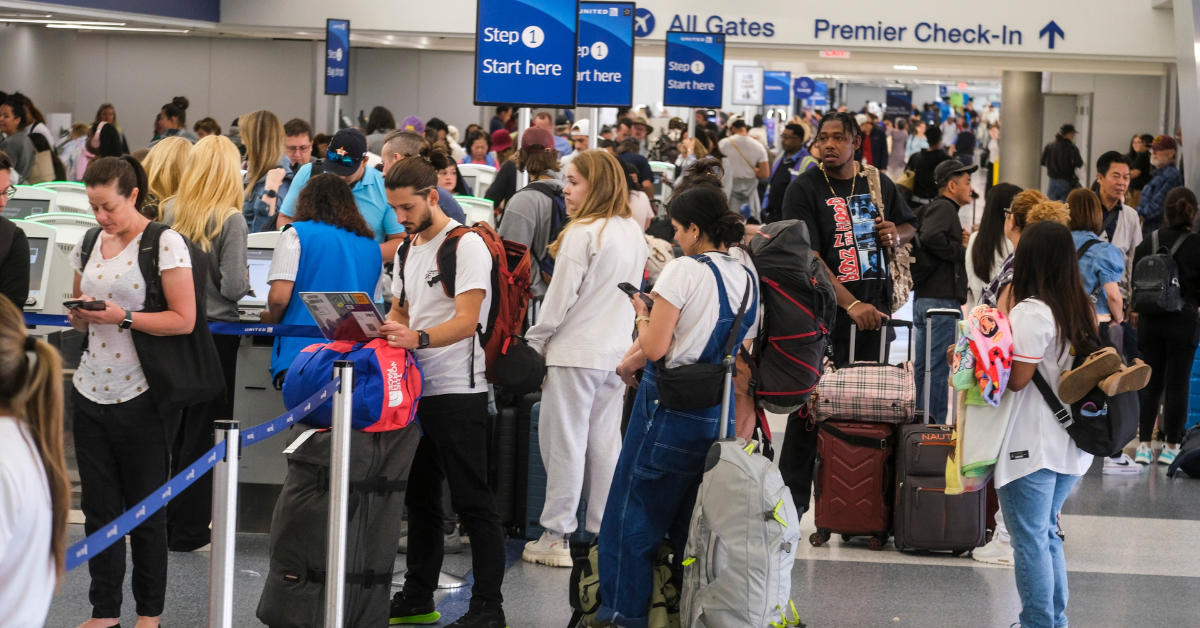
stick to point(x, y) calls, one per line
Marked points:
point(696, 386)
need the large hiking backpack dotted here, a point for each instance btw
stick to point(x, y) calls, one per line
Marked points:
point(558, 219)
point(1156, 279)
point(737, 568)
point(510, 287)
point(800, 306)
point(387, 383)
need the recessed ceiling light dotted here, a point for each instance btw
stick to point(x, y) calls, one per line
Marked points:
point(79, 22)
point(911, 68)
point(84, 27)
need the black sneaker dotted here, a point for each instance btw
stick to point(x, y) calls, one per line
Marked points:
point(484, 615)
point(407, 612)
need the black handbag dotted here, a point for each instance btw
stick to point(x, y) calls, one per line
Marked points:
point(697, 386)
point(519, 369)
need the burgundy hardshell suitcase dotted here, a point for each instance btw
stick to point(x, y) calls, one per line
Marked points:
point(854, 482)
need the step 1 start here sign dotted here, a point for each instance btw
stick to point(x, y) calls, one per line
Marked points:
point(695, 70)
point(525, 53)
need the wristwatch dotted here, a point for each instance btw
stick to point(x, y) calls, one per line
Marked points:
point(422, 339)
point(272, 193)
point(128, 322)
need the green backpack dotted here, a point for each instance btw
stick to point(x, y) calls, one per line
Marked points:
point(585, 589)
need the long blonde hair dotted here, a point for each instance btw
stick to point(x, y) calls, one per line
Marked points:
point(32, 389)
point(211, 190)
point(607, 193)
point(164, 169)
point(263, 135)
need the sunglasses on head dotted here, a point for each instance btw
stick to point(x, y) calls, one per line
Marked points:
point(346, 159)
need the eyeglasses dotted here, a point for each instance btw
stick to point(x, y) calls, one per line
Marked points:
point(1007, 211)
point(10, 191)
point(344, 158)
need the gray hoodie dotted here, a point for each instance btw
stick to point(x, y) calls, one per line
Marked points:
point(527, 220)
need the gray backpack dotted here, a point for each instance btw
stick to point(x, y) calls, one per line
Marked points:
point(741, 544)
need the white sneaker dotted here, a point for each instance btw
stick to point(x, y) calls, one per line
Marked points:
point(1168, 454)
point(1121, 466)
point(551, 549)
point(1143, 455)
point(998, 552)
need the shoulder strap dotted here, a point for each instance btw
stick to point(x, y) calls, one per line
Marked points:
point(539, 186)
point(1178, 243)
point(148, 264)
point(1154, 242)
point(1061, 413)
point(402, 255)
point(318, 168)
point(1084, 249)
point(447, 259)
point(8, 231)
point(1111, 218)
point(89, 243)
point(875, 187)
point(739, 151)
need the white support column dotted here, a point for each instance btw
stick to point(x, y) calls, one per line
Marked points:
point(1187, 37)
point(1021, 129)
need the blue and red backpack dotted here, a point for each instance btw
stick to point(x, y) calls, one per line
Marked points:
point(387, 383)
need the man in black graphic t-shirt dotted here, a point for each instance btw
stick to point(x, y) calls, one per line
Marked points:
point(848, 234)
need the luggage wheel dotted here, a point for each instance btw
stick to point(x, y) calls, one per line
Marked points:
point(957, 553)
point(846, 538)
point(819, 538)
point(877, 542)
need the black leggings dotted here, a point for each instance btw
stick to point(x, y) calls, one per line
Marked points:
point(1168, 345)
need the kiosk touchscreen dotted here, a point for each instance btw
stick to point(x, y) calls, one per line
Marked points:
point(260, 247)
point(72, 196)
point(29, 201)
point(478, 177)
point(51, 277)
point(477, 209)
point(70, 227)
point(664, 175)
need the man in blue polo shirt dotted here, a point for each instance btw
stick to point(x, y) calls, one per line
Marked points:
point(346, 158)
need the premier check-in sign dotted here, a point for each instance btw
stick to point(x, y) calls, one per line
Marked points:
point(525, 53)
point(337, 57)
point(605, 75)
point(777, 88)
point(694, 69)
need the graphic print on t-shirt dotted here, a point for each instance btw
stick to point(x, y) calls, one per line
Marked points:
point(855, 239)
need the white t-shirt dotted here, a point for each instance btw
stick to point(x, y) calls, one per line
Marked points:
point(1034, 439)
point(109, 371)
point(26, 523)
point(643, 212)
point(690, 286)
point(446, 368)
point(754, 152)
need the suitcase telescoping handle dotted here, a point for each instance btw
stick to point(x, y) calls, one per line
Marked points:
point(929, 316)
point(889, 322)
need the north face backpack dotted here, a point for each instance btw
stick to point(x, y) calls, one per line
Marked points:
point(511, 292)
point(1156, 279)
point(800, 307)
point(741, 549)
point(387, 383)
point(558, 219)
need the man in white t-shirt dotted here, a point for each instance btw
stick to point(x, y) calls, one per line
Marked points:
point(746, 161)
point(441, 331)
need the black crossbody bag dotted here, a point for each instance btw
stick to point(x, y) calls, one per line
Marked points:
point(696, 386)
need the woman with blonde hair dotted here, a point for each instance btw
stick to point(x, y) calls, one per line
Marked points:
point(583, 331)
point(164, 168)
point(1026, 208)
point(34, 489)
point(206, 210)
point(267, 167)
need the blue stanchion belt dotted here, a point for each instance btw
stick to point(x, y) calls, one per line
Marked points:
point(218, 328)
point(108, 534)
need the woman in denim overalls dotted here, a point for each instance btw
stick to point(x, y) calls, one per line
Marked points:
point(662, 458)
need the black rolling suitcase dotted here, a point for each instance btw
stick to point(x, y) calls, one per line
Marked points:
point(508, 460)
point(926, 518)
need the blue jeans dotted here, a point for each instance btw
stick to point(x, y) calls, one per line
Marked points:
point(943, 336)
point(1031, 506)
point(1059, 189)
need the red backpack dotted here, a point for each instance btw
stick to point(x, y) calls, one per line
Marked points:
point(511, 292)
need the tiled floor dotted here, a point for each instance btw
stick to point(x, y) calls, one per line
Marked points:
point(1131, 549)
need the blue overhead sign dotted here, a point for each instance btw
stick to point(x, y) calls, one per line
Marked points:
point(525, 52)
point(695, 70)
point(776, 86)
point(820, 95)
point(804, 87)
point(605, 74)
point(337, 57)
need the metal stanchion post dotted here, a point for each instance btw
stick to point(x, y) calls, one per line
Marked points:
point(339, 486)
point(224, 526)
point(523, 117)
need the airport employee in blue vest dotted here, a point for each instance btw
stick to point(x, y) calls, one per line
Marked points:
point(347, 157)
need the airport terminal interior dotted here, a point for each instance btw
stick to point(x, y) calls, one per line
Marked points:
point(1014, 75)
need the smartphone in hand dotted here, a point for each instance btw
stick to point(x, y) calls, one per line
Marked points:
point(85, 305)
point(628, 289)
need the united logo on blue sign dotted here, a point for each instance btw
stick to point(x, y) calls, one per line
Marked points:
point(644, 24)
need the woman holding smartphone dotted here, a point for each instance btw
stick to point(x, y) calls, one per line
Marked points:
point(583, 330)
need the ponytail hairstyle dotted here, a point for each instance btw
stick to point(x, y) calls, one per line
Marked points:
point(1046, 268)
point(707, 207)
point(31, 389)
point(1179, 209)
point(177, 109)
point(419, 171)
point(607, 194)
point(126, 171)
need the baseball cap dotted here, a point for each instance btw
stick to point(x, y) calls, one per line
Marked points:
point(1163, 142)
point(501, 140)
point(861, 119)
point(537, 136)
point(347, 149)
point(414, 124)
point(950, 168)
point(581, 127)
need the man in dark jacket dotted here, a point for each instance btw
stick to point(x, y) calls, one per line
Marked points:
point(924, 163)
point(1061, 158)
point(940, 278)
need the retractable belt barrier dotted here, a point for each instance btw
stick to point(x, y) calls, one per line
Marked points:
point(218, 328)
point(108, 534)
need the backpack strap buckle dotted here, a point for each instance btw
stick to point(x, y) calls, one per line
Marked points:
point(1064, 418)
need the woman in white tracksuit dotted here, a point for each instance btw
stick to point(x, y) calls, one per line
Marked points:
point(583, 331)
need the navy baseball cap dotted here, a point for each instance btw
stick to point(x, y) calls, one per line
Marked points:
point(347, 150)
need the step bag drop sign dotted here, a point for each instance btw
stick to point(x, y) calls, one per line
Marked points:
point(525, 53)
point(605, 74)
point(337, 57)
point(695, 70)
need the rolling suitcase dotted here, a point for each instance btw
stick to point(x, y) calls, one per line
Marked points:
point(853, 483)
point(502, 463)
point(926, 518)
